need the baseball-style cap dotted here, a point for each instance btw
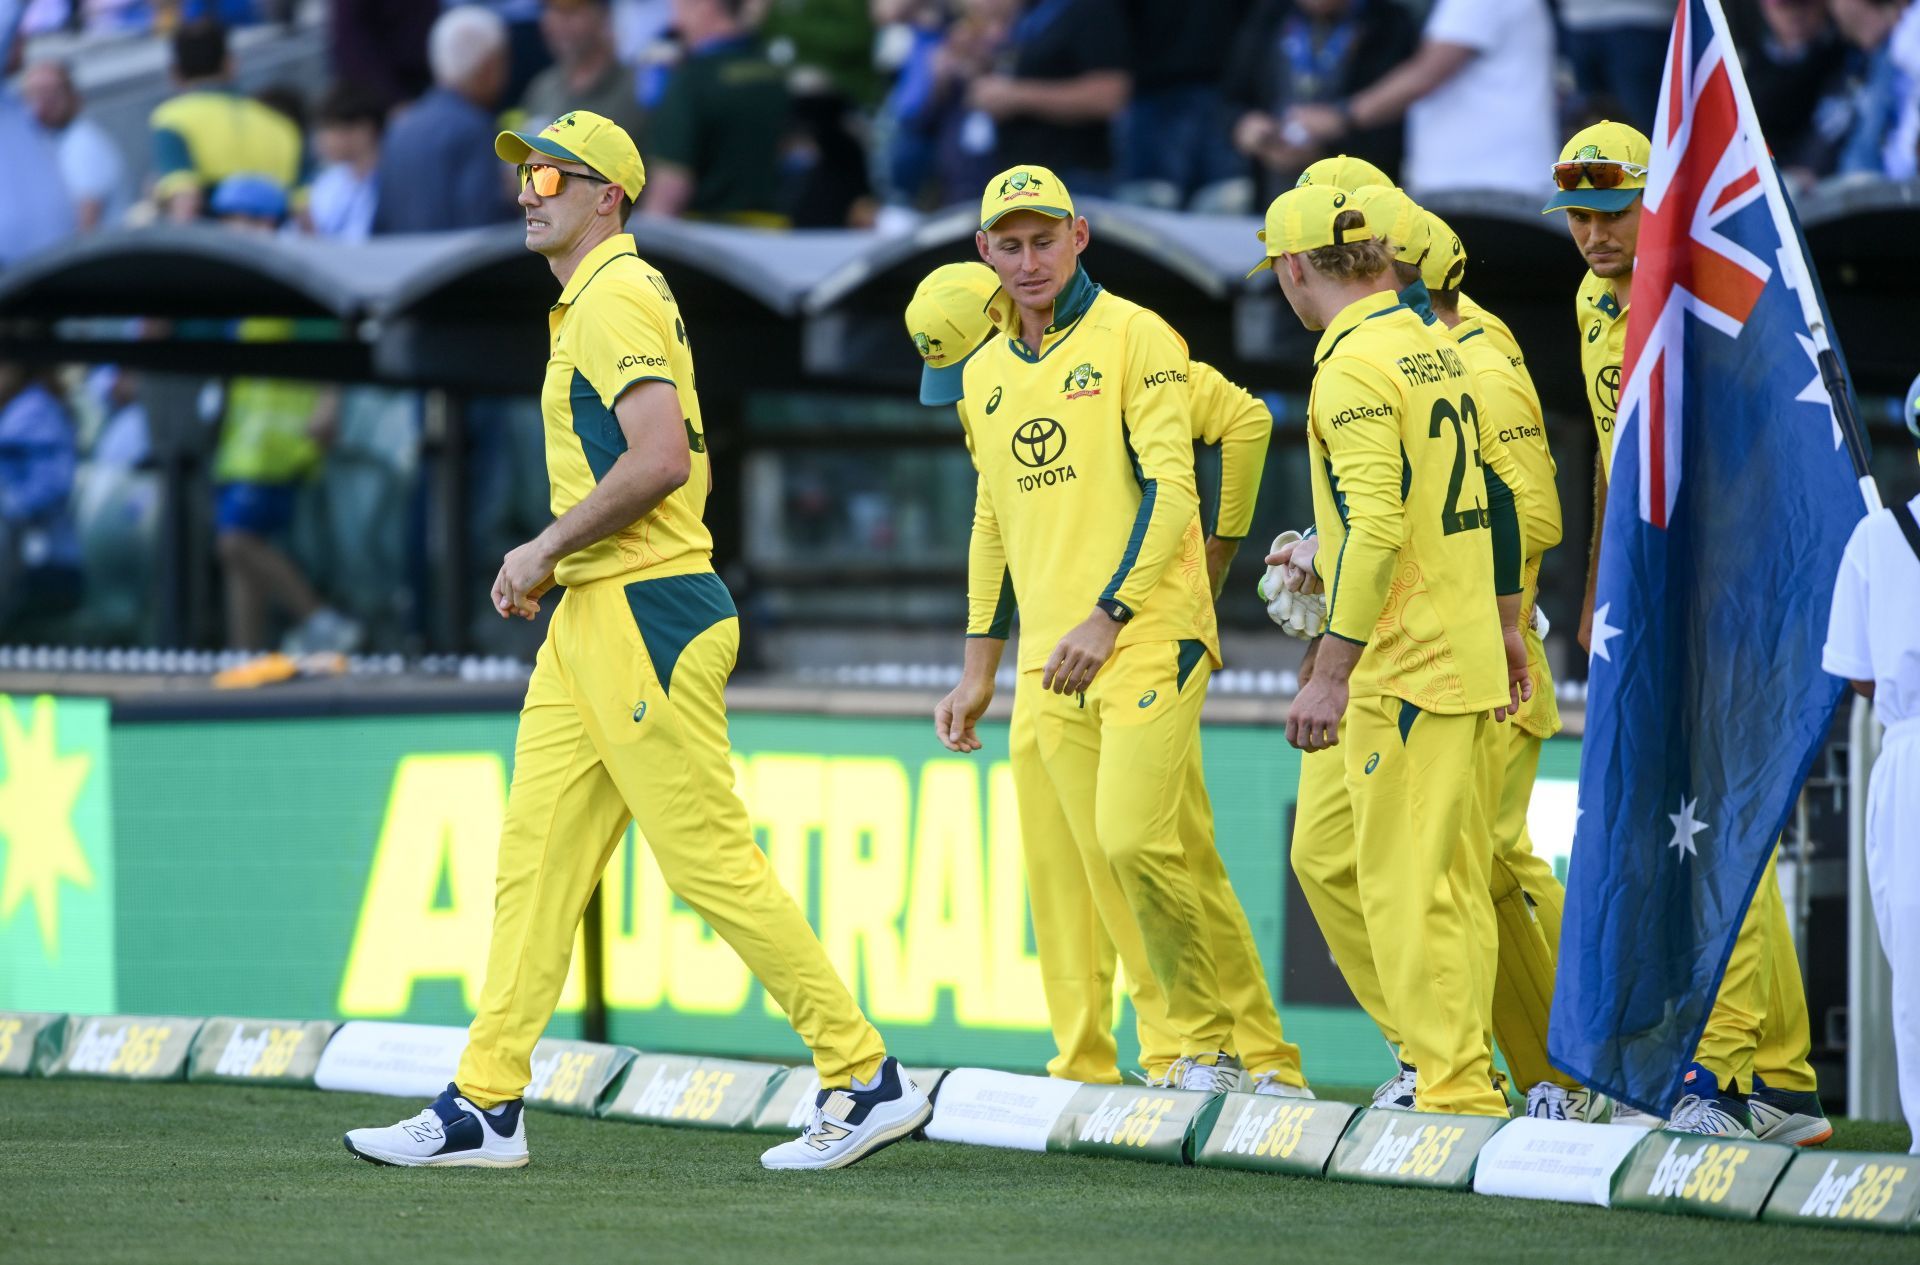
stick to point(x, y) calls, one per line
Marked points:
point(1343, 171)
point(1302, 218)
point(953, 313)
point(1393, 215)
point(1603, 168)
point(1027, 188)
point(581, 136)
point(1445, 267)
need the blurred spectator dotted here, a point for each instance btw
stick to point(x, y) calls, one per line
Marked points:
point(586, 74)
point(39, 546)
point(37, 211)
point(287, 100)
point(829, 39)
point(1796, 68)
point(1063, 81)
point(346, 136)
point(713, 142)
point(1295, 52)
point(271, 438)
point(209, 132)
point(90, 163)
point(1878, 142)
point(824, 166)
point(1478, 99)
point(437, 167)
point(526, 48)
point(1618, 52)
point(927, 133)
point(1175, 135)
point(381, 46)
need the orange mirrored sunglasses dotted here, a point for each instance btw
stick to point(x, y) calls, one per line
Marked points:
point(1598, 175)
point(547, 180)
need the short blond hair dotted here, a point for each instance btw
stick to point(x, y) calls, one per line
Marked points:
point(1353, 261)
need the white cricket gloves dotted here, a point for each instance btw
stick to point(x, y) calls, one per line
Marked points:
point(1283, 588)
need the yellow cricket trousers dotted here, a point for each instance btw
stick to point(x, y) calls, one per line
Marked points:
point(625, 720)
point(1081, 920)
point(1528, 899)
point(1116, 758)
point(1759, 1020)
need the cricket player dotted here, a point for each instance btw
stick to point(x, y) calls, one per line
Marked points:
point(1750, 1075)
point(1081, 432)
point(1080, 915)
point(604, 738)
point(1419, 554)
point(1873, 640)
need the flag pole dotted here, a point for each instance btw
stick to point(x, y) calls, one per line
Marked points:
point(1794, 262)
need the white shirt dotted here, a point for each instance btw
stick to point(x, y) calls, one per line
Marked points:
point(1494, 124)
point(1874, 631)
point(93, 169)
point(340, 202)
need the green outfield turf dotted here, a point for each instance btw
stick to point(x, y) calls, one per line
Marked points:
point(99, 1172)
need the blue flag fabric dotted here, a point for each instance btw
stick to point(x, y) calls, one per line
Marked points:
point(1730, 505)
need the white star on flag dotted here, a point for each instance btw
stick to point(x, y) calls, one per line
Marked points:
point(1815, 392)
point(1685, 827)
point(1602, 633)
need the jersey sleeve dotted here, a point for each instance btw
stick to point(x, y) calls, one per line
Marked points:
point(1519, 415)
point(619, 338)
point(1506, 489)
point(1848, 652)
point(1224, 413)
point(990, 603)
point(1363, 456)
point(1159, 431)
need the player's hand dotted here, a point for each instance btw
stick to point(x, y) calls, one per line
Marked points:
point(1307, 661)
point(1313, 722)
point(525, 575)
point(957, 713)
point(1081, 653)
point(1519, 680)
point(1296, 559)
point(1220, 554)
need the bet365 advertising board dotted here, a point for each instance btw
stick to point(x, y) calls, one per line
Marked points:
point(342, 867)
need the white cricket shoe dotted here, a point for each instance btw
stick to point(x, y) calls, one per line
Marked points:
point(450, 1133)
point(1219, 1075)
point(848, 1125)
point(1396, 1094)
point(1270, 1084)
point(1707, 1109)
point(1548, 1101)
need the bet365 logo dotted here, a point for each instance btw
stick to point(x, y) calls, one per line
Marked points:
point(1706, 1174)
point(266, 1052)
point(1275, 1131)
point(131, 1049)
point(561, 1077)
point(1421, 1151)
point(1859, 1194)
point(1130, 1122)
point(693, 1094)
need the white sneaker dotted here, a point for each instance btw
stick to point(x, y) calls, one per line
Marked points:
point(1219, 1076)
point(1397, 1094)
point(1270, 1084)
point(1547, 1101)
point(450, 1133)
point(1585, 1105)
point(850, 1124)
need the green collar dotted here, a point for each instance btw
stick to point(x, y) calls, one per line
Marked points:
point(1072, 303)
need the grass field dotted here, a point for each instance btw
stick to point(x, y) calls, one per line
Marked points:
point(102, 1172)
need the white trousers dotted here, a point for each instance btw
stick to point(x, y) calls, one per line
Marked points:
point(1893, 876)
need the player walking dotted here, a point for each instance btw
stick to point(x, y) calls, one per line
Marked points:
point(1086, 507)
point(625, 716)
point(1080, 915)
point(1758, 1035)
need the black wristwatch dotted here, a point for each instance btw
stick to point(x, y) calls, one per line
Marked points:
point(1114, 610)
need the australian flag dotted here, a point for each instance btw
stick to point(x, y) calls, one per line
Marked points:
point(1731, 501)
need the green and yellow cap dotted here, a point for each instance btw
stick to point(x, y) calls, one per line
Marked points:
point(1026, 188)
point(1621, 155)
point(1302, 219)
point(1445, 267)
point(581, 136)
point(1393, 215)
point(1343, 171)
point(953, 313)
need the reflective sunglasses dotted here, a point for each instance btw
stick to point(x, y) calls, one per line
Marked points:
point(547, 180)
point(1602, 174)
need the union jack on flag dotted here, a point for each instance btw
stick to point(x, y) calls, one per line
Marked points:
point(1706, 703)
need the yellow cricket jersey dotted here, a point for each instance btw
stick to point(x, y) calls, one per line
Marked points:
point(1497, 332)
point(617, 324)
point(1513, 434)
point(1603, 346)
point(1085, 493)
point(200, 138)
point(1404, 512)
point(1226, 416)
